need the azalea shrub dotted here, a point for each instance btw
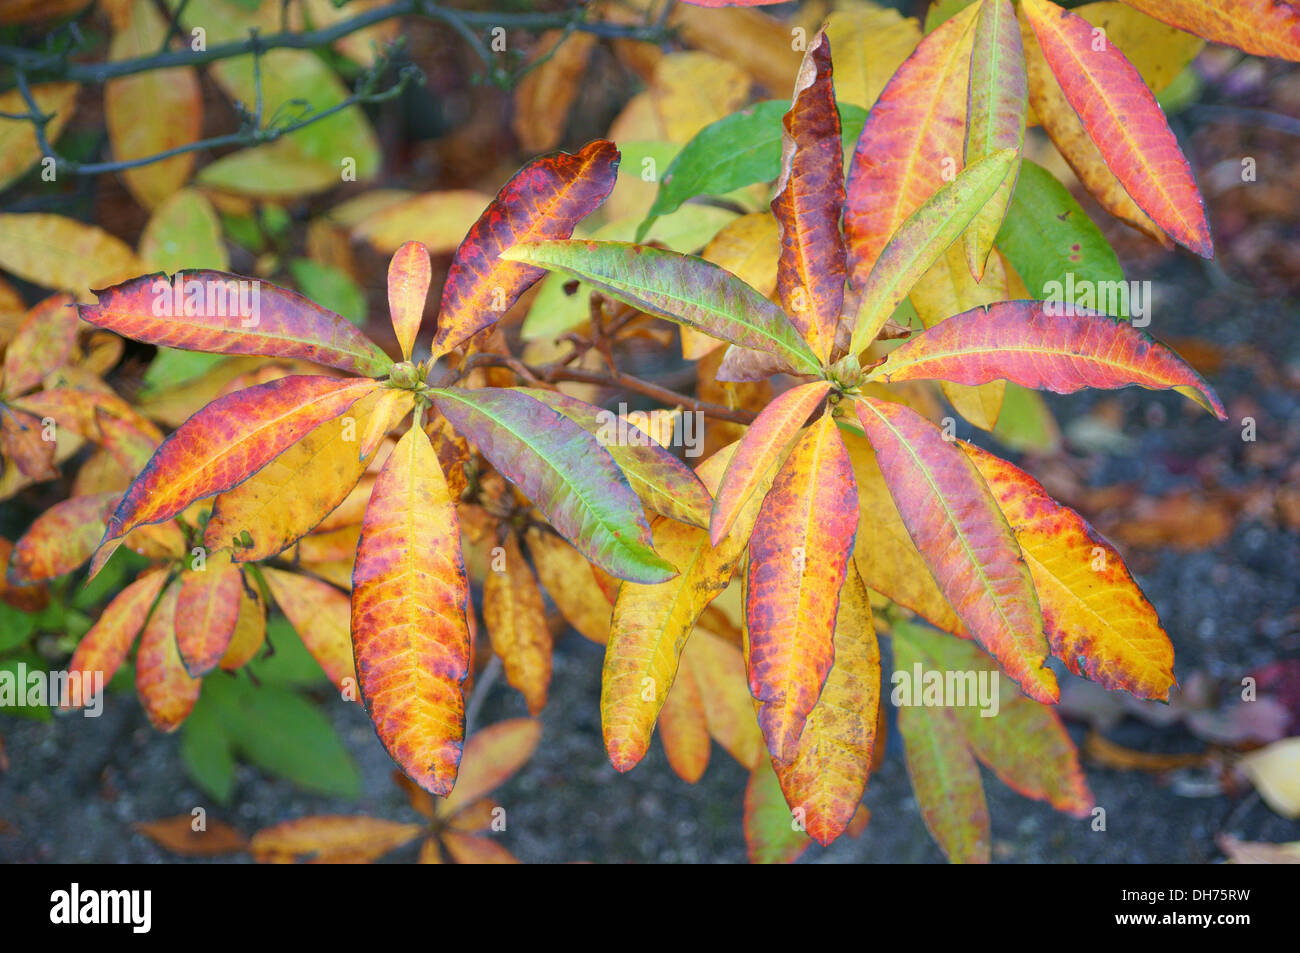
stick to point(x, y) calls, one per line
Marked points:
point(876, 255)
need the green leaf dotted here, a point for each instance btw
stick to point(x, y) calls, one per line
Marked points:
point(736, 151)
point(30, 662)
point(771, 835)
point(16, 626)
point(285, 735)
point(1025, 423)
point(1047, 237)
point(942, 11)
point(559, 307)
point(330, 288)
point(172, 367)
point(288, 664)
point(206, 748)
point(922, 238)
point(681, 288)
point(565, 471)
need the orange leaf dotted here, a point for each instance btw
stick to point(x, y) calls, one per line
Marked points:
point(684, 727)
point(1262, 27)
point(1125, 121)
point(409, 597)
point(544, 200)
point(300, 489)
point(104, 647)
point(1095, 616)
point(409, 274)
point(912, 143)
point(61, 538)
point(165, 688)
point(1067, 132)
point(492, 755)
point(207, 612)
point(828, 774)
point(516, 621)
point(809, 198)
point(331, 839)
point(1047, 345)
point(178, 835)
point(473, 849)
point(798, 556)
point(41, 344)
point(964, 538)
point(763, 444)
point(250, 631)
point(321, 616)
point(229, 440)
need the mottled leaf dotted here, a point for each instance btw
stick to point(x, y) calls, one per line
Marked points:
point(564, 470)
point(409, 598)
point(544, 200)
point(1034, 344)
point(964, 538)
point(214, 311)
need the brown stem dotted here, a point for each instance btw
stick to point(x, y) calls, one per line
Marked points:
point(551, 373)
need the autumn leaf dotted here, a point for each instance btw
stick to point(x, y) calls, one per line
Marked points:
point(213, 311)
point(763, 444)
point(996, 110)
point(331, 839)
point(1072, 140)
point(41, 343)
point(1047, 345)
point(684, 727)
point(922, 239)
point(826, 778)
point(885, 554)
point(229, 440)
point(409, 598)
point(167, 692)
point(650, 626)
point(1123, 119)
point(61, 538)
point(564, 470)
point(516, 622)
point(544, 200)
point(61, 253)
point(1262, 27)
point(568, 579)
point(798, 556)
point(964, 538)
point(295, 492)
point(103, 648)
point(18, 146)
point(180, 836)
point(657, 477)
point(409, 274)
point(912, 142)
point(152, 111)
point(492, 755)
point(1096, 618)
point(1025, 745)
point(809, 198)
point(321, 615)
point(681, 288)
point(207, 612)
